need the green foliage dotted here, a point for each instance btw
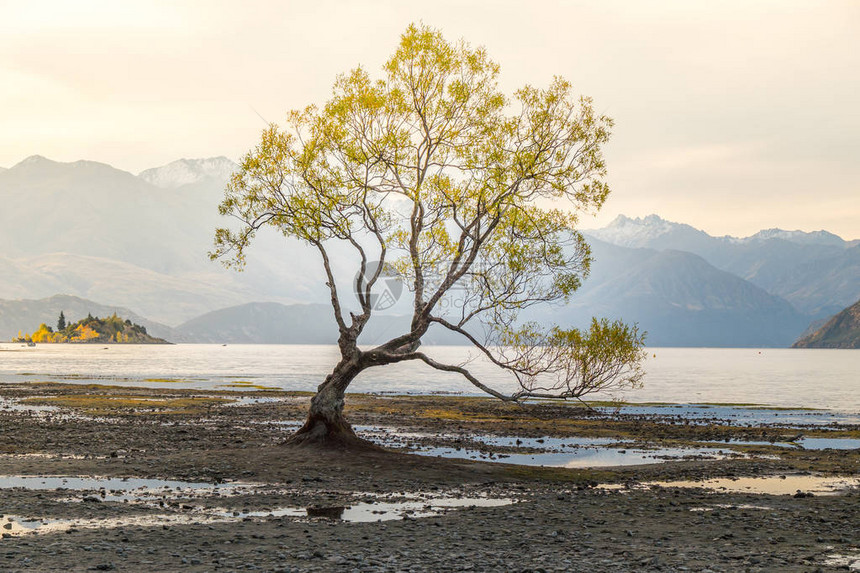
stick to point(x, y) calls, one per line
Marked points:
point(573, 363)
point(435, 133)
point(450, 184)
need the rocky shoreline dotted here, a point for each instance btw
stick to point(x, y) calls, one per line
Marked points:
point(305, 510)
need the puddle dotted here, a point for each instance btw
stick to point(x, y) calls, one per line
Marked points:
point(776, 485)
point(123, 489)
point(44, 456)
point(16, 525)
point(43, 411)
point(736, 415)
point(731, 506)
point(804, 443)
point(828, 443)
point(250, 401)
point(10, 404)
point(584, 457)
point(365, 512)
point(570, 452)
point(847, 562)
point(152, 493)
point(394, 437)
point(547, 443)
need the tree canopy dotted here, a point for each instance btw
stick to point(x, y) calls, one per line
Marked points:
point(431, 174)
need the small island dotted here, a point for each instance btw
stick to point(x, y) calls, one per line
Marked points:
point(111, 330)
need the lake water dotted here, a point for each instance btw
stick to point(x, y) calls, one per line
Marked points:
point(791, 378)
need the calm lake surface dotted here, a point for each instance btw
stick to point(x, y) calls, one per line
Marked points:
point(778, 377)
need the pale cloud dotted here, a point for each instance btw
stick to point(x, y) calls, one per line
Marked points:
point(729, 115)
point(33, 18)
point(701, 157)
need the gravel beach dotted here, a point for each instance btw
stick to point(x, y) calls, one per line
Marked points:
point(249, 503)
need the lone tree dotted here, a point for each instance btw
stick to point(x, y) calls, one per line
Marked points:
point(430, 174)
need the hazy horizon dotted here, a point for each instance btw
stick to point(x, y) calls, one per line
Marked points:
point(603, 221)
point(731, 117)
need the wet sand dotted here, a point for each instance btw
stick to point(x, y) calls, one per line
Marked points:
point(557, 521)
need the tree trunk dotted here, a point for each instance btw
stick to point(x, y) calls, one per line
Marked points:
point(326, 425)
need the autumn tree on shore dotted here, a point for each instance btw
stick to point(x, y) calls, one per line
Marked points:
point(431, 174)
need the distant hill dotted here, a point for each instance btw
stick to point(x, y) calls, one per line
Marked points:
point(262, 323)
point(90, 208)
point(140, 242)
point(841, 331)
point(189, 171)
point(274, 323)
point(160, 296)
point(817, 272)
point(652, 232)
point(680, 300)
point(90, 230)
point(19, 315)
point(657, 233)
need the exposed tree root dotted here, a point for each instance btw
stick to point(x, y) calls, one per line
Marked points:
point(321, 433)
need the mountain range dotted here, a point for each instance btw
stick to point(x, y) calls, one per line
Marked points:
point(139, 243)
point(251, 323)
point(681, 300)
point(25, 315)
point(93, 231)
point(818, 272)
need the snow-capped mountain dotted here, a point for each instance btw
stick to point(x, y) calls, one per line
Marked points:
point(187, 171)
point(818, 272)
point(680, 299)
point(655, 232)
point(650, 231)
point(87, 229)
point(801, 237)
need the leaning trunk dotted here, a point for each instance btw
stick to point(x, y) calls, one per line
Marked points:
point(326, 425)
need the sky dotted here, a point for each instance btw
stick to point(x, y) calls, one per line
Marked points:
point(731, 116)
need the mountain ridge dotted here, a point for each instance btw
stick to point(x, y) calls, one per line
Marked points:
point(100, 233)
point(841, 331)
point(189, 171)
point(639, 231)
point(18, 315)
point(680, 300)
point(114, 218)
point(817, 272)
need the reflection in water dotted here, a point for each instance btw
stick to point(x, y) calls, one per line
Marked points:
point(829, 443)
point(152, 494)
point(797, 485)
point(335, 512)
point(847, 561)
point(569, 452)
